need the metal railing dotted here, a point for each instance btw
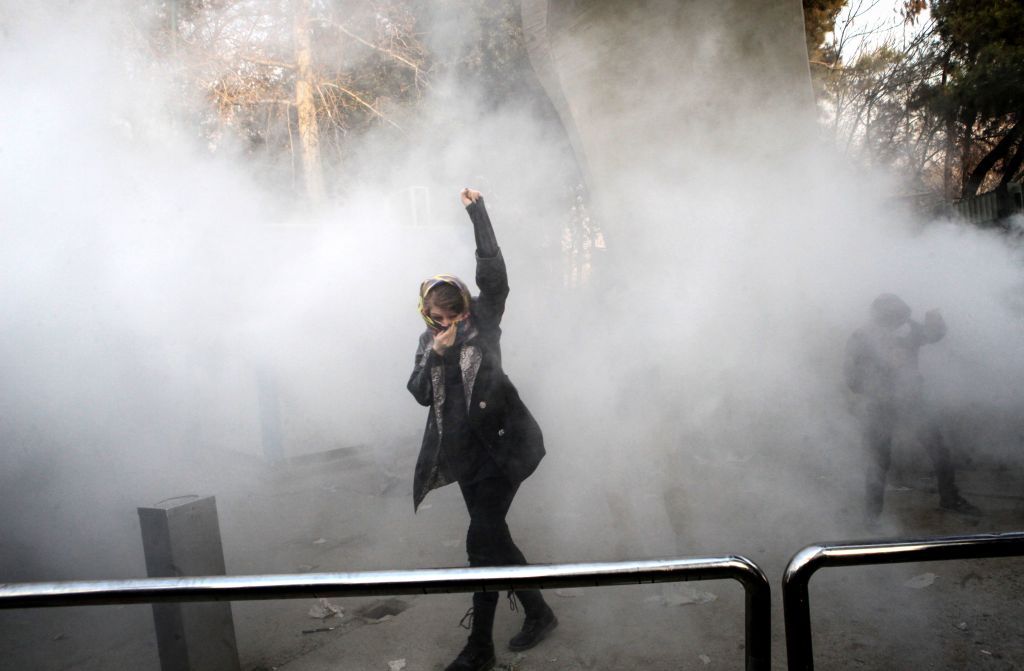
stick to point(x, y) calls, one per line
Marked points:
point(804, 563)
point(420, 581)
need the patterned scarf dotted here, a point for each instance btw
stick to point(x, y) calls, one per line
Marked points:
point(432, 282)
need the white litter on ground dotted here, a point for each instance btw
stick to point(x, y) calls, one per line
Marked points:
point(921, 581)
point(324, 609)
point(682, 596)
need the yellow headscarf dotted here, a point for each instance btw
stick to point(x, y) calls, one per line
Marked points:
point(432, 282)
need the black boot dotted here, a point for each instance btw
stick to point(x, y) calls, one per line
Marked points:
point(536, 627)
point(476, 656)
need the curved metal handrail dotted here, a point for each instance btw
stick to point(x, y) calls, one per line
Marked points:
point(795, 579)
point(418, 581)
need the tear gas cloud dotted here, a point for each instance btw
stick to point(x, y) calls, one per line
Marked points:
point(691, 394)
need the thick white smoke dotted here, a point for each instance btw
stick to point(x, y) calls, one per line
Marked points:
point(691, 396)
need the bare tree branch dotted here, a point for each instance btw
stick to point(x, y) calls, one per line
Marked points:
point(362, 102)
point(265, 61)
point(398, 57)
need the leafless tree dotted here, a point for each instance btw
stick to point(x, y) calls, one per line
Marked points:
point(291, 79)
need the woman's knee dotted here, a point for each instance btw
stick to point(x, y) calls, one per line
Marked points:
point(488, 544)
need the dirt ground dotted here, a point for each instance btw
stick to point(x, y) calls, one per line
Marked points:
point(352, 514)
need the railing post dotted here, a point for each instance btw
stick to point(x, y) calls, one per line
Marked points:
point(795, 580)
point(758, 618)
point(421, 581)
point(796, 608)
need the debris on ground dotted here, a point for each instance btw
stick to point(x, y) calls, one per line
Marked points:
point(381, 611)
point(512, 664)
point(962, 626)
point(970, 576)
point(318, 630)
point(324, 609)
point(396, 664)
point(682, 596)
point(705, 659)
point(320, 541)
point(921, 581)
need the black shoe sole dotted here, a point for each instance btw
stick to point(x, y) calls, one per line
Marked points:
point(541, 635)
point(486, 666)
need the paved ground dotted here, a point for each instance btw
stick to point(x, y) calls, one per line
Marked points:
point(355, 514)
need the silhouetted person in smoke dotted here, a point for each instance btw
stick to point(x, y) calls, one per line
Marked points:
point(882, 365)
point(479, 433)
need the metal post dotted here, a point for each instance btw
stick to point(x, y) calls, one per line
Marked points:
point(758, 617)
point(181, 537)
point(795, 599)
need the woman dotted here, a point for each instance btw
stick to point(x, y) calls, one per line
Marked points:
point(479, 433)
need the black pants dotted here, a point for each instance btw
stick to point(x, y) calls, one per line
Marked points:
point(881, 422)
point(489, 543)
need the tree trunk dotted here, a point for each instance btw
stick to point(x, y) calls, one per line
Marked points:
point(965, 146)
point(305, 105)
point(947, 163)
point(986, 164)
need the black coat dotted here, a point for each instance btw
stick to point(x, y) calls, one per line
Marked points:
point(498, 418)
point(882, 363)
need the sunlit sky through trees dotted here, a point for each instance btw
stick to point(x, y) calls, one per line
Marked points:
point(870, 23)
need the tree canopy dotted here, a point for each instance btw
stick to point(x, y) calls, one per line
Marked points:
point(943, 107)
point(819, 21)
point(296, 82)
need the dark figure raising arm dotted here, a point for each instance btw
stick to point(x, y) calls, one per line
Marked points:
point(881, 366)
point(479, 433)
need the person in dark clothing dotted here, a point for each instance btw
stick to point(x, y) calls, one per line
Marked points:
point(479, 433)
point(882, 366)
